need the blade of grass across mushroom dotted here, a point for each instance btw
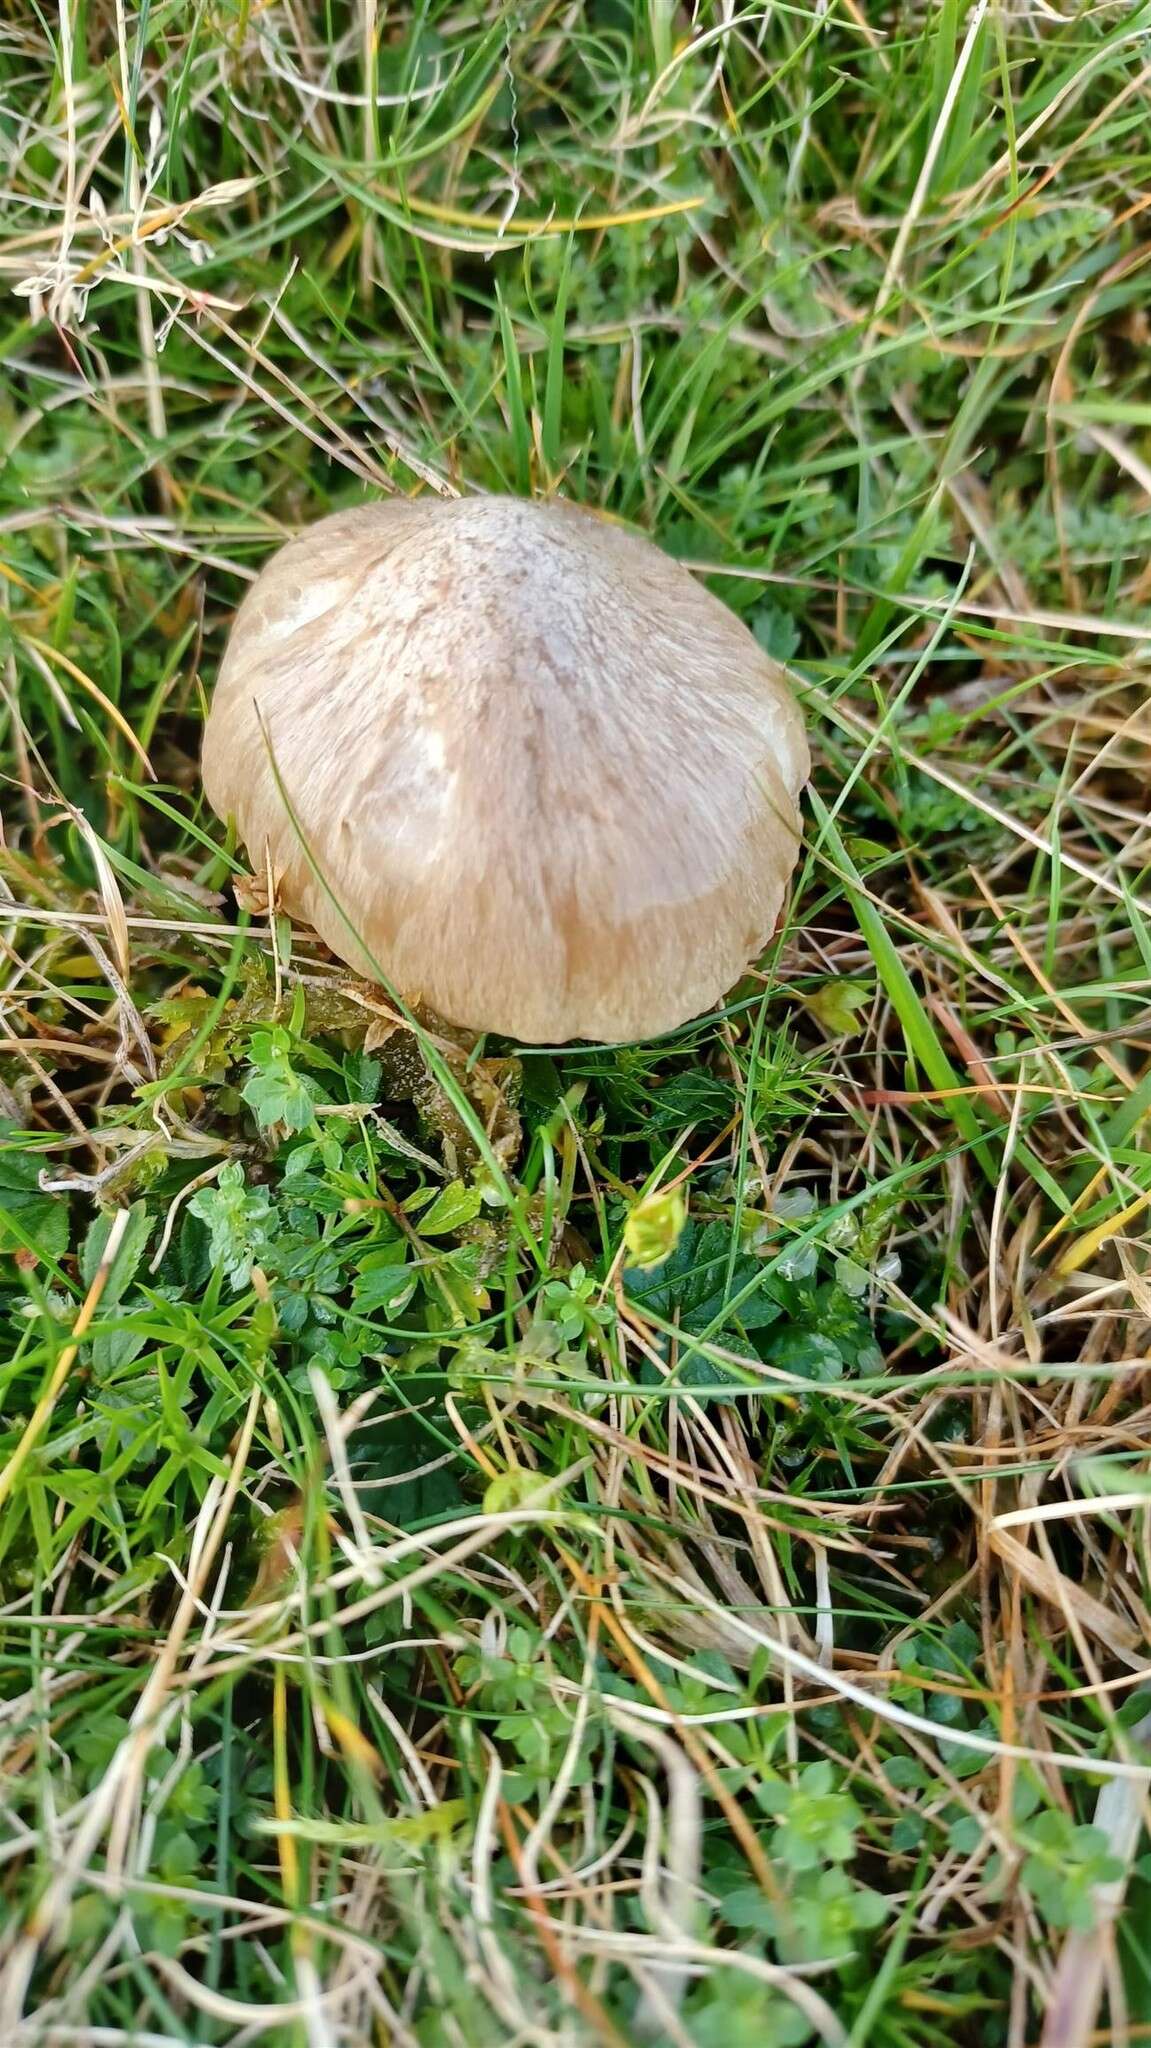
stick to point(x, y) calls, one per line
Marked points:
point(513, 1201)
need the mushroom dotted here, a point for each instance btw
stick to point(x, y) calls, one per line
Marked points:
point(535, 774)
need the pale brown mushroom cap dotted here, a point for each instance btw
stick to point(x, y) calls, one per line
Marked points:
point(550, 779)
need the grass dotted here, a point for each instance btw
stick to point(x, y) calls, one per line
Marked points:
point(419, 1621)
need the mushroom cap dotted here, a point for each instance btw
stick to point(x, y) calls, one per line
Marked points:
point(548, 778)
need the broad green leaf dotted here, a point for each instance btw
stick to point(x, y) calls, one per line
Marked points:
point(454, 1206)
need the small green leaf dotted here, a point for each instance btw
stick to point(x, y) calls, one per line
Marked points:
point(509, 1490)
point(273, 1089)
point(388, 1288)
point(776, 631)
point(454, 1206)
point(837, 1005)
point(133, 1245)
point(239, 1221)
point(29, 1217)
point(749, 1909)
point(805, 1353)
